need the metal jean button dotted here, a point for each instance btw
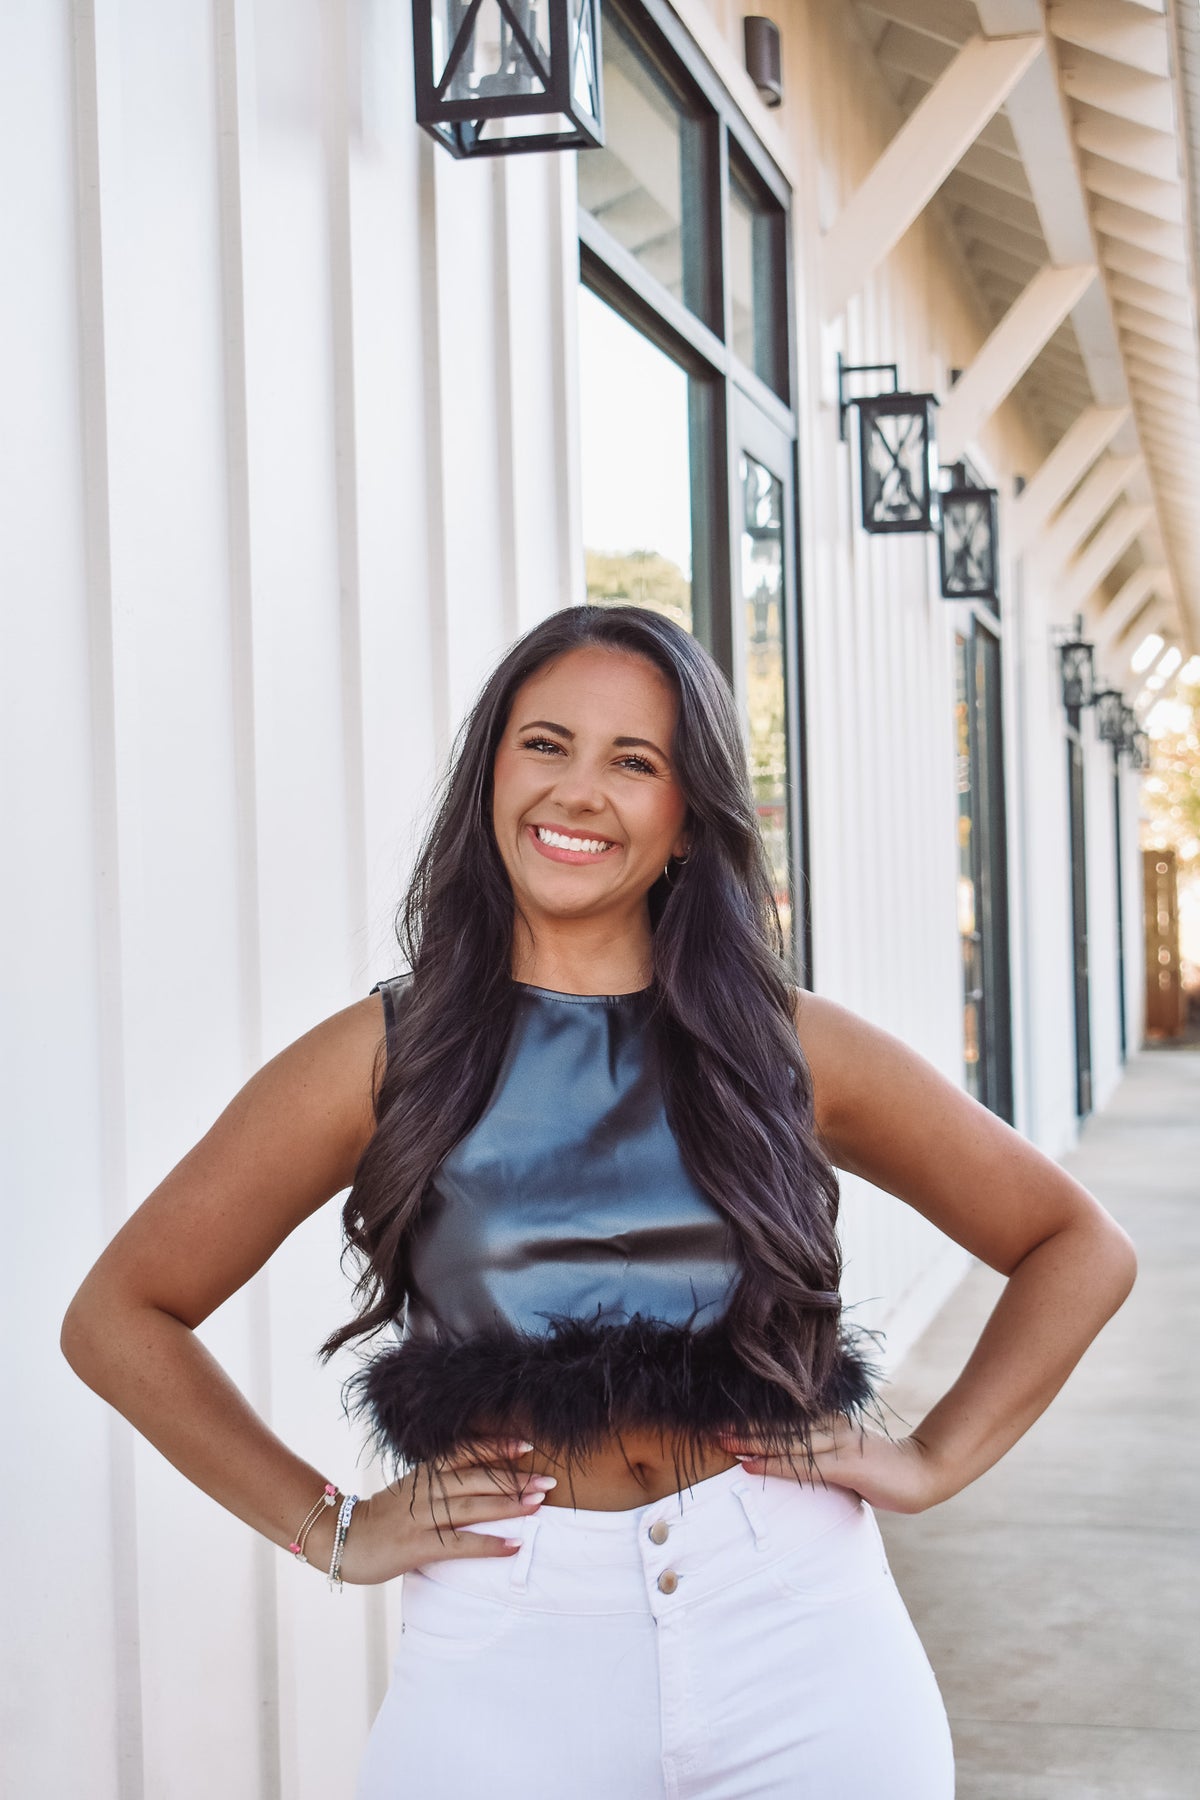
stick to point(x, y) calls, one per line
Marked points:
point(668, 1581)
point(659, 1532)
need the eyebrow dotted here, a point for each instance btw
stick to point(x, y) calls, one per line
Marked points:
point(623, 742)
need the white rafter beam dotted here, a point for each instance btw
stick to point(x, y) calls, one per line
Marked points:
point(1118, 29)
point(1084, 512)
point(1089, 568)
point(1066, 465)
point(999, 364)
point(1113, 619)
point(913, 167)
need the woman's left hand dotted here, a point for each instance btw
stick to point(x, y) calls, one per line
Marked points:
point(893, 1474)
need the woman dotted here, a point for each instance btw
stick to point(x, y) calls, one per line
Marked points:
point(591, 1145)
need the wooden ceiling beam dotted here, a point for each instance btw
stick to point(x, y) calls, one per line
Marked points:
point(1114, 181)
point(1165, 273)
point(1063, 469)
point(1116, 29)
point(1140, 323)
point(1000, 362)
point(1084, 573)
point(1126, 603)
point(950, 20)
point(1115, 88)
point(917, 161)
point(1083, 512)
point(1125, 291)
point(1125, 225)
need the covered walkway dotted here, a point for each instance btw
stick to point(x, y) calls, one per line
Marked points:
point(1059, 1595)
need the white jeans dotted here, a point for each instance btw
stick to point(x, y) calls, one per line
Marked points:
point(742, 1640)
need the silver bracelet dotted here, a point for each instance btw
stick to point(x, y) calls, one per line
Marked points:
point(339, 1541)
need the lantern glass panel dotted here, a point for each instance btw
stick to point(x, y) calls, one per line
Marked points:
point(968, 544)
point(1076, 663)
point(646, 185)
point(585, 73)
point(896, 452)
point(1110, 721)
point(506, 50)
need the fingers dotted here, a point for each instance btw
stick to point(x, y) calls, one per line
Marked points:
point(472, 1470)
point(477, 1543)
point(461, 1510)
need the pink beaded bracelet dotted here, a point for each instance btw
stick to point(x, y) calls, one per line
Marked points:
point(328, 1497)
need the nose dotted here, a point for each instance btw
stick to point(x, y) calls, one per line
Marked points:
point(578, 788)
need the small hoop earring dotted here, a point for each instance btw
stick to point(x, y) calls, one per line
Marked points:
point(676, 859)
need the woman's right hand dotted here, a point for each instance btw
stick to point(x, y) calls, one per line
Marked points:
point(420, 1519)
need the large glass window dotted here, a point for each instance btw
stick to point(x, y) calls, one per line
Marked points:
point(646, 187)
point(766, 690)
point(758, 328)
point(982, 874)
point(688, 435)
point(637, 507)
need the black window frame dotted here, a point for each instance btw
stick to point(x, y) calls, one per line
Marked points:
point(722, 384)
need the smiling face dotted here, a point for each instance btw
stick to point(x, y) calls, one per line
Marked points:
point(586, 805)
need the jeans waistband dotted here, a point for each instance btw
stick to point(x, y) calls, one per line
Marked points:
point(657, 1556)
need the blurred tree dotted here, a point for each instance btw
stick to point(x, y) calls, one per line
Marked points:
point(1171, 791)
point(640, 578)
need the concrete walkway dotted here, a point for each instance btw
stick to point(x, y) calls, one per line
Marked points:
point(1059, 1595)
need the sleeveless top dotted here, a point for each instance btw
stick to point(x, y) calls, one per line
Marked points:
point(566, 1276)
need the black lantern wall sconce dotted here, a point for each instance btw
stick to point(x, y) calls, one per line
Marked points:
point(497, 76)
point(1136, 740)
point(897, 452)
point(1111, 726)
point(1076, 669)
point(968, 544)
point(1116, 721)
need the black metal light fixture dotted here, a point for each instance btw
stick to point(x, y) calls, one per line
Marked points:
point(498, 76)
point(897, 451)
point(1076, 668)
point(764, 62)
point(1134, 739)
point(1110, 717)
point(969, 538)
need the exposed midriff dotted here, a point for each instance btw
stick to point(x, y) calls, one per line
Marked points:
point(632, 1471)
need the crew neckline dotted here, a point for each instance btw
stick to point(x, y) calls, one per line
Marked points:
point(530, 987)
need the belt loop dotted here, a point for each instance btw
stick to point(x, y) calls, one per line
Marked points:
point(754, 1517)
point(518, 1579)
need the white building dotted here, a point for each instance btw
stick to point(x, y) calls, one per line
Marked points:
point(303, 421)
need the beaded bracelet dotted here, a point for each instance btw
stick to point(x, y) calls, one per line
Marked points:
point(328, 1496)
point(339, 1541)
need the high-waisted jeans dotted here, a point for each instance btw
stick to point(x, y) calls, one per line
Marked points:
point(741, 1640)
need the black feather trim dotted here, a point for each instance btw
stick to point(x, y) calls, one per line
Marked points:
point(583, 1383)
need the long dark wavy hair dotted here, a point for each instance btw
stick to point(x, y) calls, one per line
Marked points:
point(736, 1087)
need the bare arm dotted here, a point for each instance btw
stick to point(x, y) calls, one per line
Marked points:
point(286, 1144)
point(886, 1114)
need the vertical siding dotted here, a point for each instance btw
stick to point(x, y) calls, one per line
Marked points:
point(291, 473)
point(292, 455)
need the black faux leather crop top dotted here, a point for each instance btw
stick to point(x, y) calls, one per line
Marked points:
point(568, 1279)
point(569, 1195)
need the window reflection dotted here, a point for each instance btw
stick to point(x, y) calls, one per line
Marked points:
point(644, 186)
point(636, 458)
point(762, 600)
point(756, 281)
point(970, 936)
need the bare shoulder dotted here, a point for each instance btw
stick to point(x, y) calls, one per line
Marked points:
point(884, 1112)
point(288, 1141)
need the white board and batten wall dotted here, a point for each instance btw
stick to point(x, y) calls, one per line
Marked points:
point(290, 456)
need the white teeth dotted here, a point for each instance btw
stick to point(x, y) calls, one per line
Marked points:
point(560, 842)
